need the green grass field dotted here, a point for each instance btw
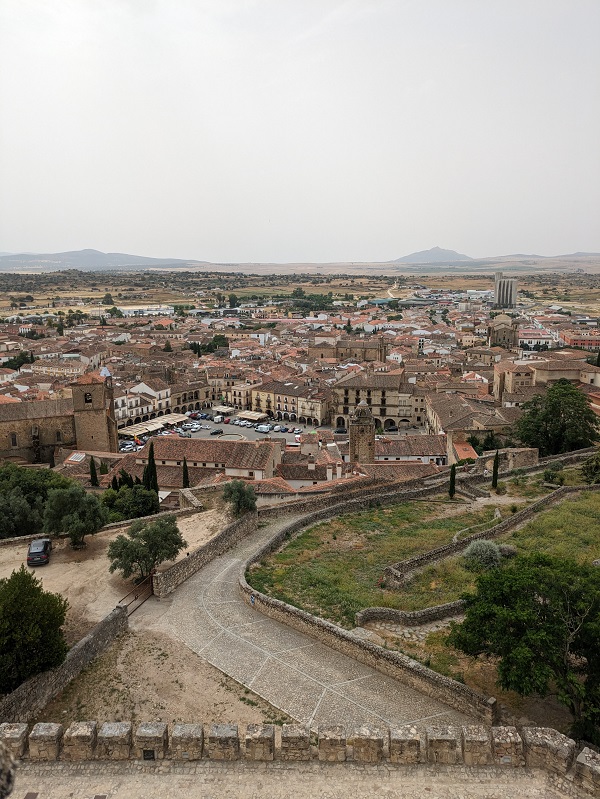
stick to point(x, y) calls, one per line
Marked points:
point(336, 568)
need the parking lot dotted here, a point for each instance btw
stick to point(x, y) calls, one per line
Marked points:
point(232, 431)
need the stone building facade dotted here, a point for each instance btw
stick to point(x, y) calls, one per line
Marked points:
point(31, 431)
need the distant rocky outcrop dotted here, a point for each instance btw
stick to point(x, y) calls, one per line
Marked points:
point(436, 255)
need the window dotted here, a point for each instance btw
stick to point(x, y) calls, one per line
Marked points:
point(13, 439)
point(87, 398)
point(58, 437)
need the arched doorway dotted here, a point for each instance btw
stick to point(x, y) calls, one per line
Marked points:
point(340, 422)
point(389, 423)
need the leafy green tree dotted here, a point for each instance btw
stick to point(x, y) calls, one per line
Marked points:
point(452, 486)
point(31, 636)
point(103, 468)
point(540, 616)
point(107, 299)
point(93, 473)
point(130, 502)
point(560, 421)
point(145, 546)
point(19, 517)
point(241, 496)
point(234, 301)
point(186, 474)
point(495, 469)
point(74, 512)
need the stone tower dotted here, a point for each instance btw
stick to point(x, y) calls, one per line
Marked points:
point(362, 434)
point(93, 408)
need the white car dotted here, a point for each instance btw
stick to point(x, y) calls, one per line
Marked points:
point(277, 428)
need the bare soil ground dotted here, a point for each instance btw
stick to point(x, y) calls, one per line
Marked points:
point(82, 576)
point(148, 676)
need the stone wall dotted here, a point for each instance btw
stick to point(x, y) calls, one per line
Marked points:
point(164, 582)
point(34, 694)
point(476, 749)
point(412, 618)
point(398, 573)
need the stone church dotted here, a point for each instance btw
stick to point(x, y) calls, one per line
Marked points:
point(32, 431)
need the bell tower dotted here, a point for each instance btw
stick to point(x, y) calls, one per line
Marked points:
point(93, 408)
point(362, 434)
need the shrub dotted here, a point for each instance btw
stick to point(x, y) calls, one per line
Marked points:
point(500, 489)
point(482, 555)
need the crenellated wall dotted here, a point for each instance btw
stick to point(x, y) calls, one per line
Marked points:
point(475, 749)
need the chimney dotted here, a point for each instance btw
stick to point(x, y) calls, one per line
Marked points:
point(329, 472)
point(338, 470)
point(311, 463)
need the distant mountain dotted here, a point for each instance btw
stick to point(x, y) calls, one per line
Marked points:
point(434, 256)
point(83, 259)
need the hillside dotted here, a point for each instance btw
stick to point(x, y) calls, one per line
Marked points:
point(82, 259)
point(436, 255)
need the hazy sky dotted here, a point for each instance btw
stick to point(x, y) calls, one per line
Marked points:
point(300, 130)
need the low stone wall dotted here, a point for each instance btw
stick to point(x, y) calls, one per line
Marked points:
point(472, 747)
point(34, 694)
point(108, 528)
point(398, 573)
point(163, 583)
point(413, 618)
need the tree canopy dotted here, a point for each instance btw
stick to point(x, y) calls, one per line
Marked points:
point(560, 421)
point(145, 546)
point(540, 616)
point(130, 502)
point(241, 495)
point(23, 494)
point(31, 636)
point(73, 511)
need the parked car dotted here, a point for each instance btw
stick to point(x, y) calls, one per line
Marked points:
point(39, 551)
point(297, 430)
point(277, 428)
point(202, 416)
point(283, 429)
point(217, 431)
point(340, 431)
point(392, 429)
point(185, 434)
point(226, 420)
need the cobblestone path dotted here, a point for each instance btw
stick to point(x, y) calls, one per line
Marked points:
point(294, 672)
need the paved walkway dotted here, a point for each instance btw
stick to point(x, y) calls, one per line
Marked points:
point(209, 780)
point(294, 672)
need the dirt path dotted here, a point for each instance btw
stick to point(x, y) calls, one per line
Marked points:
point(82, 576)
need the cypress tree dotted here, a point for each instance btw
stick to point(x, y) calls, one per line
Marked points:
point(495, 468)
point(152, 476)
point(51, 462)
point(114, 483)
point(93, 473)
point(452, 488)
point(186, 475)
point(598, 359)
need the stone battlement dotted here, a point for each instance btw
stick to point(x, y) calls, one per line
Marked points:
point(473, 746)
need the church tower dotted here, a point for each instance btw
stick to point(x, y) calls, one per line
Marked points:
point(362, 434)
point(93, 407)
